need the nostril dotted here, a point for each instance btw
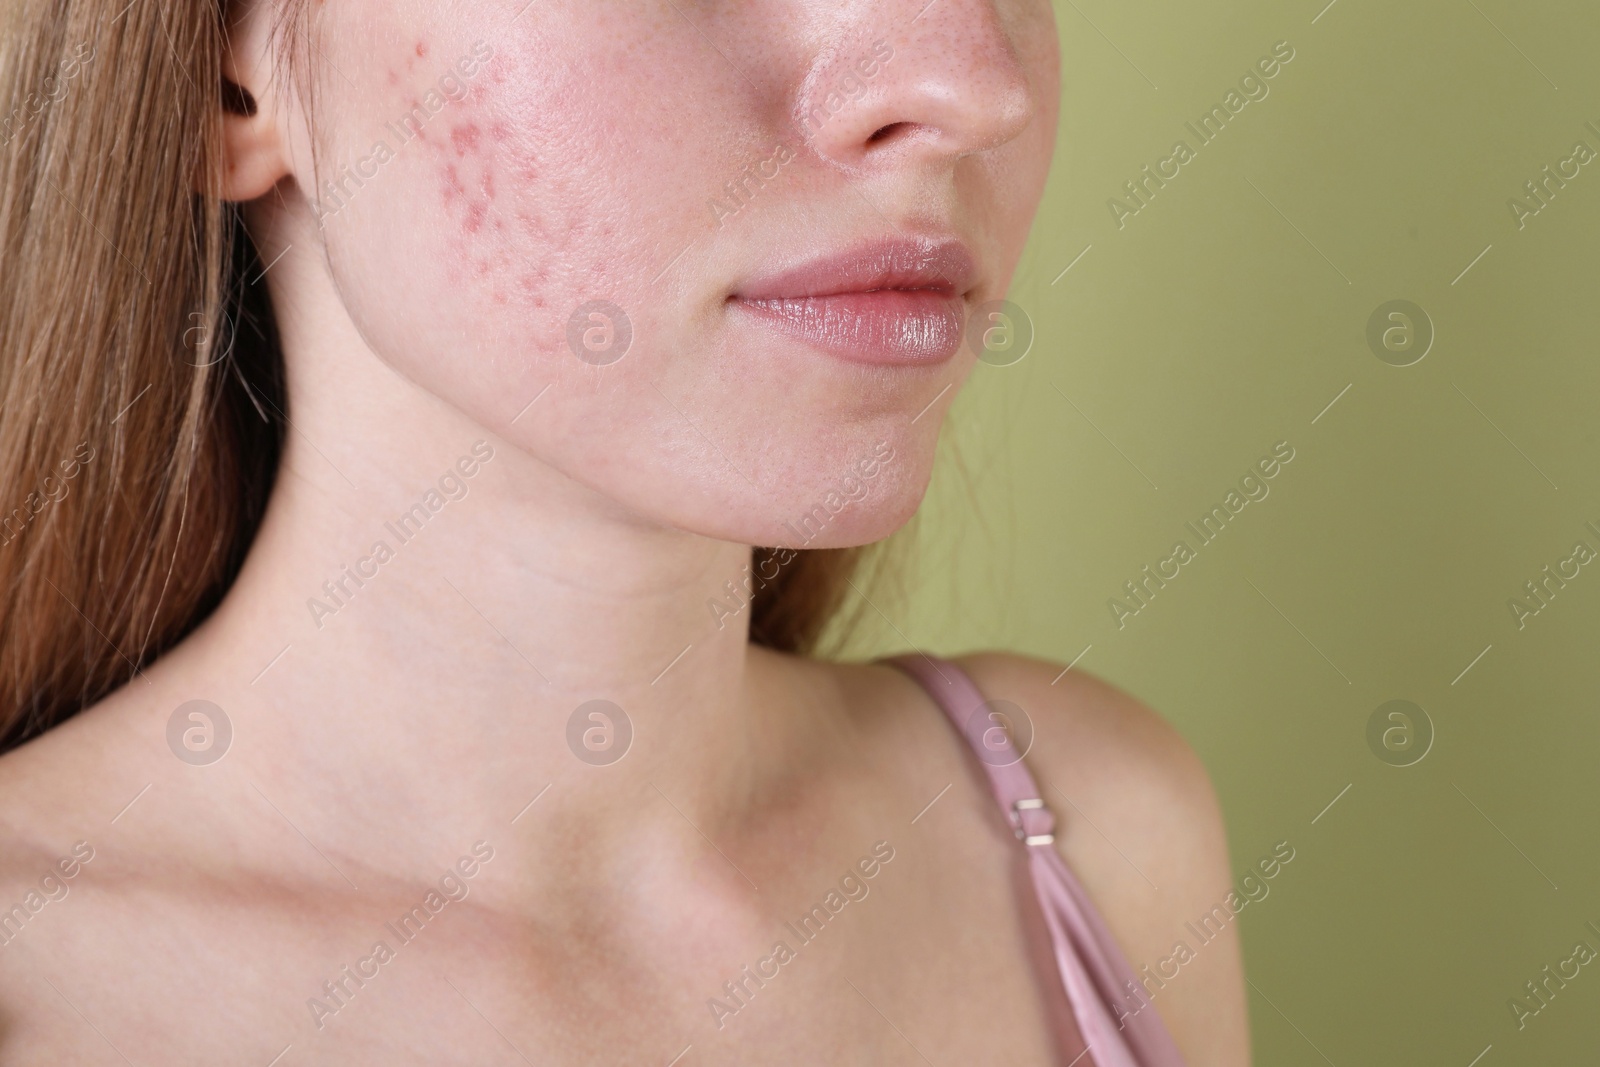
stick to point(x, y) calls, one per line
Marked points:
point(884, 133)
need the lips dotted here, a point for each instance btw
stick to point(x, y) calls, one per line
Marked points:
point(894, 302)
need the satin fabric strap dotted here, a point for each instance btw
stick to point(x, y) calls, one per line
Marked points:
point(1112, 1011)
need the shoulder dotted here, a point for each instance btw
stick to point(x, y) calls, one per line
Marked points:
point(62, 792)
point(43, 821)
point(1095, 733)
point(1140, 825)
point(46, 846)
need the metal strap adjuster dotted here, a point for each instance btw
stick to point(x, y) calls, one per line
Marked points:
point(1029, 804)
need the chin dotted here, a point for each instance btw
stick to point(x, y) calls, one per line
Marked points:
point(852, 509)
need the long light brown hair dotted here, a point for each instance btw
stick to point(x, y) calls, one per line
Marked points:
point(141, 383)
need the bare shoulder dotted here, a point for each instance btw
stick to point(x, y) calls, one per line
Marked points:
point(42, 785)
point(61, 792)
point(47, 852)
point(1099, 737)
point(1139, 823)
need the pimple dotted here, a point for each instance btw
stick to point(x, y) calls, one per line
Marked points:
point(465, 138)
point(422, 48)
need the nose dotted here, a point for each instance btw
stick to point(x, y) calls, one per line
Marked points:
point(934, 82)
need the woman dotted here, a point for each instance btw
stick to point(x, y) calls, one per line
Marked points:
point(486, 738)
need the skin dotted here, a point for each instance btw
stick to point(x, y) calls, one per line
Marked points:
point(375, 744)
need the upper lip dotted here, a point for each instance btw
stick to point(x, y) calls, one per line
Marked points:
point(938, 265)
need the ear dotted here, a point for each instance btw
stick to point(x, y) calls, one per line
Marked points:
point(253, 150)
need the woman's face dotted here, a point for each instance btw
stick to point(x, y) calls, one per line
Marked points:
point(732, 247)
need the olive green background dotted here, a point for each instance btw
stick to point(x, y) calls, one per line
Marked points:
point(1226, 316)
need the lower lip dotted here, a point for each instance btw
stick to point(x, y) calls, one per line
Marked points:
point(894, 327)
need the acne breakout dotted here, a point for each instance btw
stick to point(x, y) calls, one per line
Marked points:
point(346, 181)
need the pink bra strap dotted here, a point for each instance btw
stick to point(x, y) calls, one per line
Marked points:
point(1109, 1006)
point(988, 731)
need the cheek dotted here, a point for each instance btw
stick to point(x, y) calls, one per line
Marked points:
point(569, 173)
point(522, 222)
point(546, 186)
point(518, 225)
point(1007, 185)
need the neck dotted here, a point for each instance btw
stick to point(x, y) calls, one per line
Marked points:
point(425, 608)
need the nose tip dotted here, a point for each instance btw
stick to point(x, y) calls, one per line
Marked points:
point(941, 86)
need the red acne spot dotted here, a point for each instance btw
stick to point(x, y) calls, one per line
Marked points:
point(394, 79)
point(475, 216)
point(452, 184)
point(499, 131)
point(422, 48)
point(465, 138)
